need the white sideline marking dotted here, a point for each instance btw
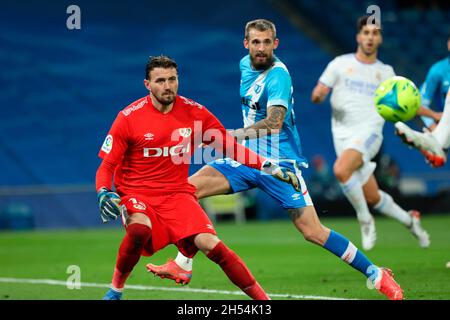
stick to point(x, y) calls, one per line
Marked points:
point(150, 288)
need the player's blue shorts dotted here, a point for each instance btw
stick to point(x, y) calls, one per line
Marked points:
point(242, 178)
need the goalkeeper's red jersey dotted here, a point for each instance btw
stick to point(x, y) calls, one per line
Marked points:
point(151, 151)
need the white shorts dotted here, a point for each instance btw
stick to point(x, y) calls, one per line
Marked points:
point(368, 144)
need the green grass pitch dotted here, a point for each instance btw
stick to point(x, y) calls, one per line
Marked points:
point(281, 260)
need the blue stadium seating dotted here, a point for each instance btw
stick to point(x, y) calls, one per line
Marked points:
point(62, 89)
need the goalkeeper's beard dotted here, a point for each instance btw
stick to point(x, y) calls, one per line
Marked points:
point(166, 101)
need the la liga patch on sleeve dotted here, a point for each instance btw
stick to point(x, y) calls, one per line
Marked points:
point(107, 144)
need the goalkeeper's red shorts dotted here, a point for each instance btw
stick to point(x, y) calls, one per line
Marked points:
point(175, 218)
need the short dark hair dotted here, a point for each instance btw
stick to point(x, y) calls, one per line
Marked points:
point(159, 62)
point(362, 21)
point(260, 25)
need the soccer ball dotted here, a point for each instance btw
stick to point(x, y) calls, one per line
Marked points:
point(397, 99)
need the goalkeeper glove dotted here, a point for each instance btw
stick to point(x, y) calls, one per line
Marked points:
point(281, 173)
point(108, 203)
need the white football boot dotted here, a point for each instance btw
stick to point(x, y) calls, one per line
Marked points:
point(425, 142)
point(368, 234)
point(417, 230)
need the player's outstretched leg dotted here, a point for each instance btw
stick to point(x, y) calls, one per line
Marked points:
point(231, 264)
point(179, 270)
point(424, 142)
point(137, 235)
point(431, 144)
point(442, 131)
point(383, 203)
point(308, 223)
point(381, 278)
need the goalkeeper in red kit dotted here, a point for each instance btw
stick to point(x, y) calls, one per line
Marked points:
point(147, 153)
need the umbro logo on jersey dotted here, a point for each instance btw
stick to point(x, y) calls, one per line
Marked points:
point(210, 226)
point(296, 196)
point(149, 136)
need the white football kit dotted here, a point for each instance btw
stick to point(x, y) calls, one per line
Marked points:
point(355, 121)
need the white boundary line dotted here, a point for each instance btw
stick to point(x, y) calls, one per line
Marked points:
point(152, 288)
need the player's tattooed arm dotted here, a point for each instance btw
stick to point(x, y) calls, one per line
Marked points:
point(269, 125)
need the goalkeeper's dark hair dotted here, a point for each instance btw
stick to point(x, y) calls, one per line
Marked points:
point(161, 61)
point(363, 21)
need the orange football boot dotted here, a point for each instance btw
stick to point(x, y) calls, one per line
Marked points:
point(387, 285)
point(171, 270)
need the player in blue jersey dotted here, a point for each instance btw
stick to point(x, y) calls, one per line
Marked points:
point(270, 130)
point(435, 89)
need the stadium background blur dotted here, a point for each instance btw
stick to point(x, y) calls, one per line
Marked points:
point(61, 89)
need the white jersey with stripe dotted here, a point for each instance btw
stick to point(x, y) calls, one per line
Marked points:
point(353, 85)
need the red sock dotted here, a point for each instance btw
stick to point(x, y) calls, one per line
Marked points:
point(129, 252)
point(237, 271)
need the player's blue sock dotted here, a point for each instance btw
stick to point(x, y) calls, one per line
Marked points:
point(347, 251)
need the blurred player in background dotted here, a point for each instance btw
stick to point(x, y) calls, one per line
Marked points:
point(434, 142)
point(147, 152)
point(267, 107)
point(435, 89)
point(357, 131)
